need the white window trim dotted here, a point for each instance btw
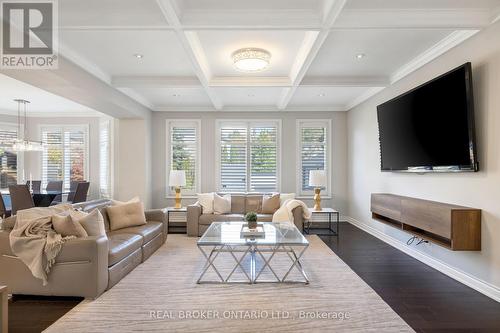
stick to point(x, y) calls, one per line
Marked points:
point(20, 155)
point(110, 124)
point(169, 194)
point(86, 161)
point(327, 193)
point(248, 123)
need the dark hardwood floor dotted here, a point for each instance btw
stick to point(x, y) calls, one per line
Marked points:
point(426, 299)
point(29, 314)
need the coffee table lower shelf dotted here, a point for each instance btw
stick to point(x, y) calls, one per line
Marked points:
point(251, 273)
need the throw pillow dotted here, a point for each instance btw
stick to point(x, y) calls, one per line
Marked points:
point(116, 202)
point(206, 200)
point(92, 222)
point(64, 225)
point(270, 204)
point(222, 205)
point(286, 196)
point(126, 215)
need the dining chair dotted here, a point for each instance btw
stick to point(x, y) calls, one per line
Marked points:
point(82, 189)
point(21, 198)
point(54, 185)
point(37, 185)
point(72, 189)
point(4, 211)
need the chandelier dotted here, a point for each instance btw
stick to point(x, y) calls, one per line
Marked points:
point(251, 59)
point(22, 143)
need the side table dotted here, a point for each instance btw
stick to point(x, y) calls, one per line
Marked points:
point(177, 219)
point(330, 212)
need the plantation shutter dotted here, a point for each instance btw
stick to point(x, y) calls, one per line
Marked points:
point(184, 151)
point(263, 160)
point(52, 156)
point(105, 159)
point(312, 152)
point(233, 158)
point(64, 155)
point(8, 159)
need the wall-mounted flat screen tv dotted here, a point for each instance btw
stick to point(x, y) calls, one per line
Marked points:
point(430, 128)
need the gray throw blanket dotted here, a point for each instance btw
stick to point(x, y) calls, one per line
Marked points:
point(35, 242)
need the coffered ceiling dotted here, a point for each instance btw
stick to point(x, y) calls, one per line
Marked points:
point(186, 48)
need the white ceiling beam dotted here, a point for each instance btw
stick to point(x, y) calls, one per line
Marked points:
point(456, 19)
point(155, 82)
point(310, 48)
point(345, 81)
point(192, 46)
point(169, 108)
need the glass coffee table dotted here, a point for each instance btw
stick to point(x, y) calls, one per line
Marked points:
point(280, 238)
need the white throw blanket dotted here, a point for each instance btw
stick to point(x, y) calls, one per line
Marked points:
point(35, 242)
point(285, 212)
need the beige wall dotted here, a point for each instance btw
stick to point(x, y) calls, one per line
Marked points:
point(288, 154)
point(132, 156)
point(481, 190)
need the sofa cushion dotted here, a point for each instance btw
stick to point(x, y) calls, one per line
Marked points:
point(121, 245)
point(147, 231)
point(206, 219)
point(253, 203)
point(270, 203)
point(238, 203)
point(264, 217)
point(92, 222)
point(64, 225)
point(206, 201)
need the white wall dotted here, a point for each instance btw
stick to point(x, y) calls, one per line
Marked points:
point(479, 190)
point(32, 160)
point(288, 156)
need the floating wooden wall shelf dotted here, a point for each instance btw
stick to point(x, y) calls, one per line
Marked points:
point(454, 227)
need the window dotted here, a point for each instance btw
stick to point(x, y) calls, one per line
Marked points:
point(184, 151)
point(248, 156)
point(8, 159)
point(313, 144)
point(105, 159)
point(65, 154)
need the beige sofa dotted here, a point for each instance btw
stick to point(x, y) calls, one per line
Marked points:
point(198, 222)
point(87, 266)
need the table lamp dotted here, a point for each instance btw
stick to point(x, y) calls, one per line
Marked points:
point(177, 179)
point(317, 178)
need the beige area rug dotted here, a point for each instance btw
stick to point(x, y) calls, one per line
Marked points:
point(160, 295)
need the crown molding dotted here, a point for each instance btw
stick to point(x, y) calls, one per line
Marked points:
point(449, 42)
point(255, 81)
point(363, 97)
point(54, 114)
point(345, 81)
point(155, 82)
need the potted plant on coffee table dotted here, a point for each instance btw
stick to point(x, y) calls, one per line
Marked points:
point(251, 218)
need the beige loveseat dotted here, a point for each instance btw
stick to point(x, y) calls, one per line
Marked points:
point(87, 266)
point(198, 222)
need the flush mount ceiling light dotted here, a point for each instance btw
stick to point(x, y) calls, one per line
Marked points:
point(251, 59)
point(360, 55)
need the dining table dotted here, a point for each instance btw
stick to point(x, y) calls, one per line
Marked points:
point(42, 198)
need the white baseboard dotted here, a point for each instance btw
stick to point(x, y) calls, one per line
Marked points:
point(481, 286)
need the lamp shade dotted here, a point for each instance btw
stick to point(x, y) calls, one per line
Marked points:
point(177, 178)
point(317, 178)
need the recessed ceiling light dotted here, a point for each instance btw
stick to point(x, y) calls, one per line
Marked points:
point(138, 56)
point(321, 95)
point(251, 59)
point(176, 95)
point(360, 55)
